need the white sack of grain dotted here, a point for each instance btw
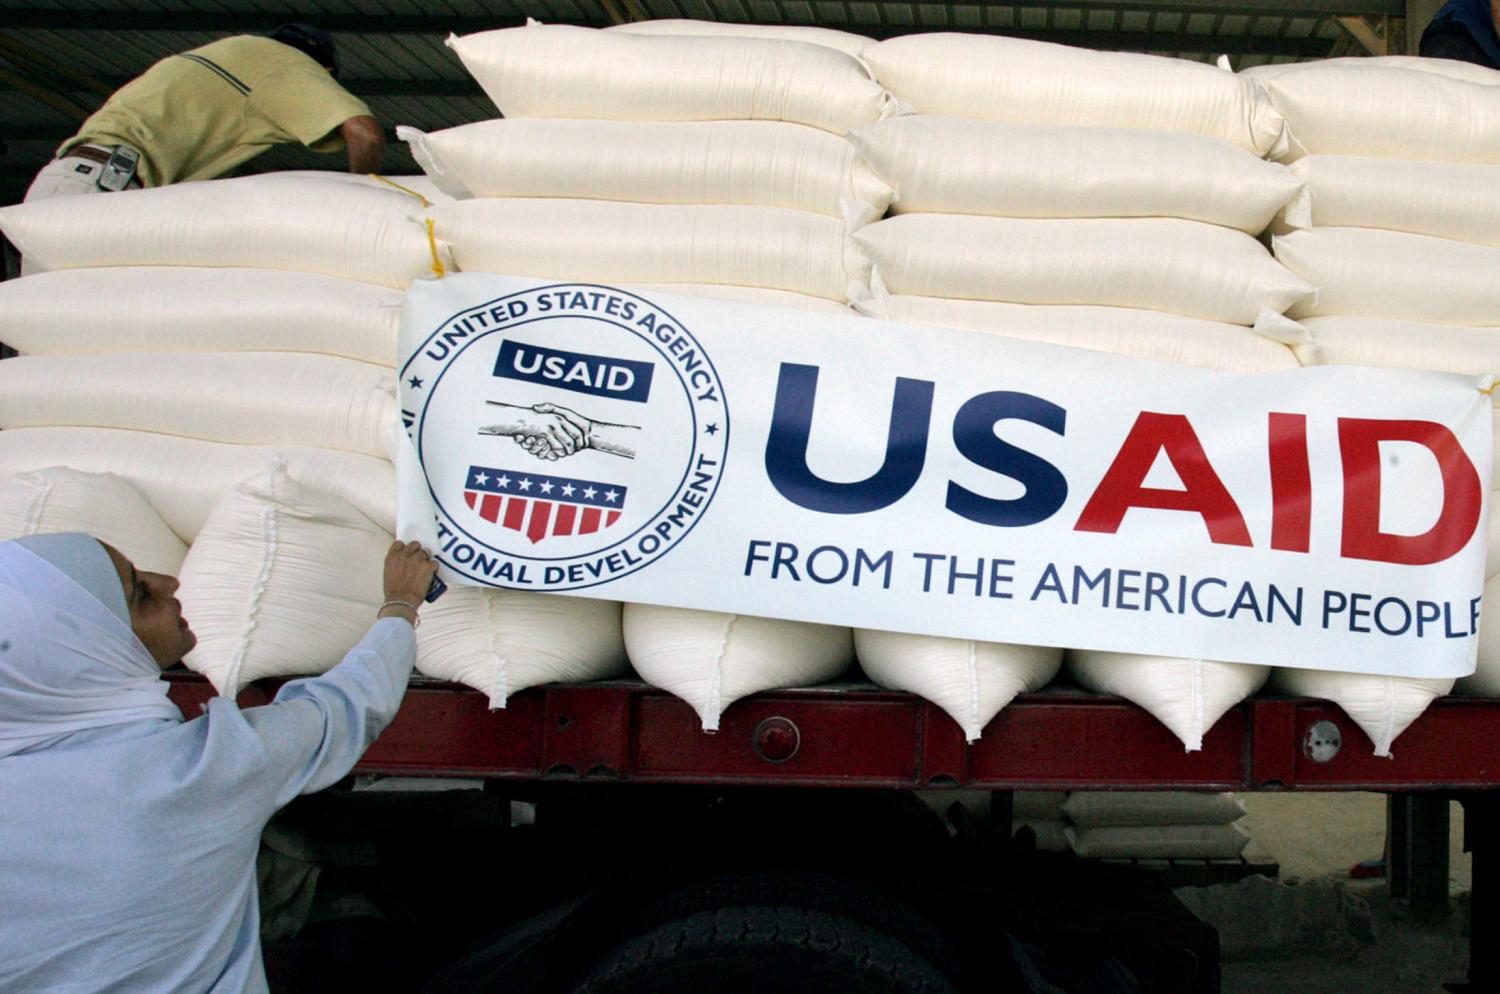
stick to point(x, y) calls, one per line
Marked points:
point(948, 165)
point(845, 41)
point(595, 240)
point(1451, 68)
point(249, 398)
point(283, 580)
point(1031, 82)
point(187, 309)
point(1163, 264)
point(183, 478)
point(1384, 706)
point(759, 296)
point(421, 186)
point(308, 225)
point(562, 70)
point(59, 499)
point(1186, 695)
point(1159, 842)
point(1051, 836)
point(969, 680)
point(1395, 113)
point(503, 641)
point(1128, 331)
point(1136, 808)
point(1485, 680)
point(1358, 341)
point(1458, 200)
point(1391, 274)
point(1037, 805)
point(711, 659)
point(767, 163)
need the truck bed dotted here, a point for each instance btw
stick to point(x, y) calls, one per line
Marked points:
point(858, 735)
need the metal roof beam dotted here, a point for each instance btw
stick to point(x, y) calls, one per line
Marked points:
point(1268, 8)
point(53, 133)
point(43, 94)
point(221, 22)
point(1312, 47)
point(229, 22)
point(358, 87)
point(1138, 41)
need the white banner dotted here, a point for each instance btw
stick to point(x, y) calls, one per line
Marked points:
point(588, 440)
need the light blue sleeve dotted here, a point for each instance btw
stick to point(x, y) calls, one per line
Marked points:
point(317, 728)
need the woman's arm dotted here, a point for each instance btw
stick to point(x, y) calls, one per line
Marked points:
point(317, 728)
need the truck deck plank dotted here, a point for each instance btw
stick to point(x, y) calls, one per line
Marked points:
point(862, 736)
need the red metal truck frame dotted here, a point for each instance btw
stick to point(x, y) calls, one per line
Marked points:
point(625, 731)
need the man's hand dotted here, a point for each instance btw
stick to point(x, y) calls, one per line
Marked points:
point(545, 430)
point(408, 573)
point(365, 140)
point(566, 432)
point(551, 432)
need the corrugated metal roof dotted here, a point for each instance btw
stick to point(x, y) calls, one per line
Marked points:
point(60, 58)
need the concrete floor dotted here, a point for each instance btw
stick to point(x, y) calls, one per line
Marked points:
point(1320, 835)
point(1316, 931)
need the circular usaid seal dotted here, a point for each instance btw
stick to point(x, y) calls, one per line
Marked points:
point(571, 434)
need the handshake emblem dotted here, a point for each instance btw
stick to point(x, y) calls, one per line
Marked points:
point(552, 432)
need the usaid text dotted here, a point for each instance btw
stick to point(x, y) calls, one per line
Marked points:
point(1153, 434)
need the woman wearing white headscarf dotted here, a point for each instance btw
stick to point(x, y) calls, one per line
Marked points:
point(128, 836)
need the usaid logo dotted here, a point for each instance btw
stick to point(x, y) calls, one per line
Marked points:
point(571, 434)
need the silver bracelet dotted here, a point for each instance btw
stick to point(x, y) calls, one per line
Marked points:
point(416, 617)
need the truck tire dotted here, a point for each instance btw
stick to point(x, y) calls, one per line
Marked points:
point(750, 950)
point(841, 897)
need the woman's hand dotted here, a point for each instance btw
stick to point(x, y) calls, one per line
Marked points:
point(408, 573)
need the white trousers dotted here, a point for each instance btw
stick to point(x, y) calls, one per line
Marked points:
point(64, 177)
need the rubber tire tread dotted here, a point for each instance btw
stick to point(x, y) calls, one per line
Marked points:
point(842, 897)
point(691, 951)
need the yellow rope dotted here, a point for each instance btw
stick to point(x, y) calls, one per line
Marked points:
point(414, 193)
point(1491, 388)
point(437, 259)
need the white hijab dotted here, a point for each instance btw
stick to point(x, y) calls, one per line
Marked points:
point(68, 658)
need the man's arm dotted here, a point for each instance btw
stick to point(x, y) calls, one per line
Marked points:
point(1495, 13)
point(365, 141)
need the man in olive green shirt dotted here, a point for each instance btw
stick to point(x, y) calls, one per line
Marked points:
point(202, 113)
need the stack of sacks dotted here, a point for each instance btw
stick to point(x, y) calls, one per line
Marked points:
point(301, 223)
point(1154, 825)
point(1451, 68)
point(1399, 226)
point(237, 397)
point(698, 160)
point(60, 499)
point(418, 186)
point(1042, 812)
point(178, 309)
point(843, 41)
point(1104, 201)
point(715, 160)
point(970, 680)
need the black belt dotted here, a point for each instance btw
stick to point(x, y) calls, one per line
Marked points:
point(86, 152)
point(99, 155)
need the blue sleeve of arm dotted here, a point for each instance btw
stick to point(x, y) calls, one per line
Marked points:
point(317, 728)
